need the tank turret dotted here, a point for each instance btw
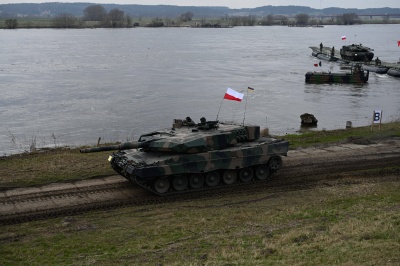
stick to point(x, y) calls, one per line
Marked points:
point(193, 156)
point(356, 52)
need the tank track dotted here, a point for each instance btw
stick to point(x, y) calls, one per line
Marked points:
point(180, 184)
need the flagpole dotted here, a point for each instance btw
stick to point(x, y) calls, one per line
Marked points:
point(245, 106)
point(231, 95)
point(220, 108)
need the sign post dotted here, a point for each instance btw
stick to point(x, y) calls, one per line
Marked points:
point(376, 118)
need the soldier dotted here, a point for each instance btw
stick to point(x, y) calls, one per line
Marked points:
point(333, 52)
point(320, 47)
point(377, 61)
point(357, 68)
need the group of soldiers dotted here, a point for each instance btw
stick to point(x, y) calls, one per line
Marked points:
point(332, 50)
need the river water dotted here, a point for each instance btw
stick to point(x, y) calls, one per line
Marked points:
point(70, 87)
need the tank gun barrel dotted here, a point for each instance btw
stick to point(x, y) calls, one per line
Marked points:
point(122, 146)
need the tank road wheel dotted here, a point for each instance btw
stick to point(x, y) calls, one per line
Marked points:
point(212, 179)
point(262, 172)
point(275, 163)
point(246, 174)
point(161, 185)
point(196, 181)
point(229, 177)
point(180, 183)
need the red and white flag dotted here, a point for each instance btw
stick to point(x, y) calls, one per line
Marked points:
point(319, 64)
point(233, 95)
point(343, 37)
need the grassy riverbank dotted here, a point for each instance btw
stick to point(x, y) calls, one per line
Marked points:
point(343, 224)
point(346, 219)
point(63, 164)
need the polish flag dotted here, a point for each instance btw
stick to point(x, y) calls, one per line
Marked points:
point(344, 37)
point(233, 95)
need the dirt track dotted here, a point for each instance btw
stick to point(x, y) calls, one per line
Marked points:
point(303, 168)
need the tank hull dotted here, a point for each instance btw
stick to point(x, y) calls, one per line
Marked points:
point(252, 158)
point(197, 156)
point(236, 157)
point(356, 52)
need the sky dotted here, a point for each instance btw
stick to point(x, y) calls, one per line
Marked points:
point(361, 4)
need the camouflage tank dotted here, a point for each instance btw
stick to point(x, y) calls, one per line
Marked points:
point(195, 156)
point(356, 52)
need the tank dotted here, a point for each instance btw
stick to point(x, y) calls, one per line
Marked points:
point(356, 52)
point(197, 156)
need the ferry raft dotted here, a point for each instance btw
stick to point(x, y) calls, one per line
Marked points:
point(394, 72)
point(377, 69)
point(377, 66)
point(357, 76)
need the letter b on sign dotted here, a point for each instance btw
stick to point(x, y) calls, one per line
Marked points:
point(377, 116)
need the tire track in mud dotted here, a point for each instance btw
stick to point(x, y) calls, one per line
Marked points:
point(303, 169)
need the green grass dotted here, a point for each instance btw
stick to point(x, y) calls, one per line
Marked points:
point(52, 165)
point(31, 22)
point(355, 224)
point(312, 138)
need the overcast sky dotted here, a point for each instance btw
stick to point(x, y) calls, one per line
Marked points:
point(361, 4)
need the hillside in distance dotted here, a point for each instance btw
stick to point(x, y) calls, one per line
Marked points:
point(170, 11)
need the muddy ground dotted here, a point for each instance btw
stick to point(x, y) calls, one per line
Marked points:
point(302, 167)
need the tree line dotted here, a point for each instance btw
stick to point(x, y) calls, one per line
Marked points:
point(115, 18)
point(97, 16)
point(303, 19)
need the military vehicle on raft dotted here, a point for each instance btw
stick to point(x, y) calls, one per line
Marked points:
point(356, 52)
point(194, 156)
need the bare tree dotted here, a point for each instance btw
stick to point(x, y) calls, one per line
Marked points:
point(168, 22)
point(188, 16)
point(202, 21)
point(156, 22)
point(11, 23)
point(268, 20)
point(94, 13)
point(248, 20)
point(283, 19)
point(235, 20)
point(128, 20)
point(65, 20)
point(116, 18)
point(302, 19)
point(349, 18)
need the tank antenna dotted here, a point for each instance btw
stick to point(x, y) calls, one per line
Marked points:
point(245, 106)
point(220, 108)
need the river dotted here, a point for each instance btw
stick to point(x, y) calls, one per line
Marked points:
point(70, 87)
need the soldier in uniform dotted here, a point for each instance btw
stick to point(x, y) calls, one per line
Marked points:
point(320, 47)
